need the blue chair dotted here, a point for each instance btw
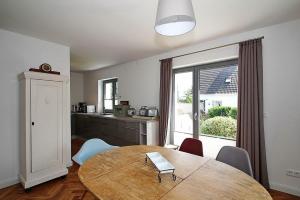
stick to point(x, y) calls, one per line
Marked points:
point(91, 148)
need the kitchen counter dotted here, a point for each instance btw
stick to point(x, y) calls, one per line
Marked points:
point(120, 131)
point(115, 117)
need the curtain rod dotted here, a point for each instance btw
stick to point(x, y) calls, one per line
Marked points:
point(212, 48)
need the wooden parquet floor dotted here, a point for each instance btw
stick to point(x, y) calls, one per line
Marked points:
point(70, 188)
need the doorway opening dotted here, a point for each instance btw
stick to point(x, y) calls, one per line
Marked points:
point(204, 105)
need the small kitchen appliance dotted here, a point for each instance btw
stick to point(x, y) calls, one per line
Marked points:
point(91, 108)
point(131, 112)
point(74, 108)
point(143, 111)
point(152, 112)
point(82, 107)
point(121, 110)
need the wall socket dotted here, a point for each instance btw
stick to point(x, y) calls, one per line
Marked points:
point(293, 173)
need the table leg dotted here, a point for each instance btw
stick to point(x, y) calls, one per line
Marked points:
point(174, 177)
point(159, 178)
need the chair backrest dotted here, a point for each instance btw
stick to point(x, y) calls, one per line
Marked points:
point(193, 146)
point(90, 148)
point(236, 157)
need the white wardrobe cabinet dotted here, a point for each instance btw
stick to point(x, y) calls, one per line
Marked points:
point(43, 145)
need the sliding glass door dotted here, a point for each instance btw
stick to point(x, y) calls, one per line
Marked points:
point(182, 116)
point(204, 105)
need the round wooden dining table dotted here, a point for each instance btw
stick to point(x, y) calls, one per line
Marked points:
point(123, 174)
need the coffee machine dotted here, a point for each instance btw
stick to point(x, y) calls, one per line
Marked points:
point(82, 107)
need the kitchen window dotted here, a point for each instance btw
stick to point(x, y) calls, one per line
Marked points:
point(110, 91)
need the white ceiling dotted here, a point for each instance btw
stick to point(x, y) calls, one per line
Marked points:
point(107, 32)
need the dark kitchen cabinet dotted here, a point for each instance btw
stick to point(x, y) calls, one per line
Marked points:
point(119, 131)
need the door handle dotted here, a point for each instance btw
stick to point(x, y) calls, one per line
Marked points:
point(32, 123)
point(195, 116)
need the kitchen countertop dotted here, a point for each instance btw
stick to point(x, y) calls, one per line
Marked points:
point(113, 117)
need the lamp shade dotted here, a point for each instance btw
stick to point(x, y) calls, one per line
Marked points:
point(174, 17)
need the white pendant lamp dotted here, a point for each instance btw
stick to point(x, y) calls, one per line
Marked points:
point(174, 17)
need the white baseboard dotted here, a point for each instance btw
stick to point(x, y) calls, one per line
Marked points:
point(285, 188)
point(9, 182)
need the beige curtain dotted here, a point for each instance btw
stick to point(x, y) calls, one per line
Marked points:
point(250, 130)
point(164, 98)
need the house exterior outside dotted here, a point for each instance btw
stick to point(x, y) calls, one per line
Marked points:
point(218, 87)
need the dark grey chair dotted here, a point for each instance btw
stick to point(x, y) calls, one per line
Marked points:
point(235, 157)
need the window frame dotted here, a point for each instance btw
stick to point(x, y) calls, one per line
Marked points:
point(114, 82)
point(196, 109)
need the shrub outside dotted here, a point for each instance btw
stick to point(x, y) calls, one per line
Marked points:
point(220, 126)
point(219, 111)
point(225, 111)
point(233, 113)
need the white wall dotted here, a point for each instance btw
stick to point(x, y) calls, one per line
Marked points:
point(18, 53)
point(76, 83)
point(139, 83)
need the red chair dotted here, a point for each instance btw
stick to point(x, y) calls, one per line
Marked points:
point(192, 146)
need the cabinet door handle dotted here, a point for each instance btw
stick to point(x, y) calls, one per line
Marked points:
point(32, 123)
